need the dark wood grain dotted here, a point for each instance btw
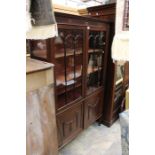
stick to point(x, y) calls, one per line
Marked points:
point(103, 12)
point(112, 107)
point(93, 106)
point(70, 123)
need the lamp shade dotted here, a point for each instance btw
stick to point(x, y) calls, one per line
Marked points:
point(120, 47)
point(41, 16)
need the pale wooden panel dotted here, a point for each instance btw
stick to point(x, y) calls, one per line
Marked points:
point(39, 74)
point(65, 9)
point(33, 65)
point(41, 122)
point(83, 12)
point(39, 79)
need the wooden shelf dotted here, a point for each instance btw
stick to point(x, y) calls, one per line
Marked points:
point(60, 80)
point(70, 97)
point(93, 70)
point(96, 51)
point(61, 88)
point(68, 53)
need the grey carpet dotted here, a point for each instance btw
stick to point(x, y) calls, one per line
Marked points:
point(96, 140)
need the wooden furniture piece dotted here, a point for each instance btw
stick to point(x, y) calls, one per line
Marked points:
point(65, 9)
point(79, 54)
point(83, 12)
point(106, 12)
point(41, 132)
point(117, 78)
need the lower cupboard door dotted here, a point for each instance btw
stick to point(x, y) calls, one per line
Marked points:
point(69, 123)
point(93, 108)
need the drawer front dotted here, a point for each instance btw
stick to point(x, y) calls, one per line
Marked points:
point(69, 123)
point(93, 108)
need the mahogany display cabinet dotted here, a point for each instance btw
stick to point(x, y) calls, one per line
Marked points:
point(117, 77)
point(79, 54)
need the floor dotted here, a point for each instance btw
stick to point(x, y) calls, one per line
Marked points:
point(96, 140)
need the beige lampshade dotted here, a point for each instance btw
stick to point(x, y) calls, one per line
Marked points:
point(40, 18)
point(42, 32)
point(120, 47)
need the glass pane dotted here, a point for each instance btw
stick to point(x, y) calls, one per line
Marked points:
point(95, 60)
point(119, 74)
point(39, 48)
point(69, 55)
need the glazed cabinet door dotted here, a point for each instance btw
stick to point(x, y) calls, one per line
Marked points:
point(95, 59)
point(69, 123)
point(93, 107)
point(68, 56)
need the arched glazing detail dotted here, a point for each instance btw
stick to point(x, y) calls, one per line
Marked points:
point(69, 65)
point(95, 60)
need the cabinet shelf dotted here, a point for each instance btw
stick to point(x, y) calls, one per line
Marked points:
point(61, 90)
point(93, 70)
point(77, 52)
point(70, 78)
point(91, 51)
point(69, 52)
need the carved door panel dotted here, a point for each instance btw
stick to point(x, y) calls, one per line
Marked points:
point(93, 108)
point(69, 123)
